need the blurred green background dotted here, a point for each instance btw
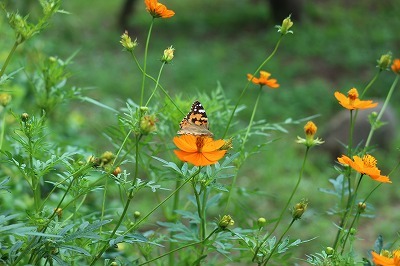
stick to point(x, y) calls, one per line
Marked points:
point(335, 46)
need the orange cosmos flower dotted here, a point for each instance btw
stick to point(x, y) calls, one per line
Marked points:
point(396, 66)
point(199, 150)
point(388, 260)
point(263, 80)
point(158, 10)
point(366, 166)
point(352, 102)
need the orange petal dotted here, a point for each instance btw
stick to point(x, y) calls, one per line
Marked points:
point(198, 159)
point(186, 143)
point(212, 145)
point(215, 155)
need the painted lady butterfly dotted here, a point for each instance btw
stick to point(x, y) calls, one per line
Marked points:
point(195, 122)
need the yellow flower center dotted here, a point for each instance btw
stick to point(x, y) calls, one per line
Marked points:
point(369, 161)
point(199, 143)
point(353, 95)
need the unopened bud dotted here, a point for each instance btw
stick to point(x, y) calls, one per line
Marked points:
point(5, 99)
point(168, 55)
point(225, 221)
point(385, 61)
point(299, 209)
point(261, 221)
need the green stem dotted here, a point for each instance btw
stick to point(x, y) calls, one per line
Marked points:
point(370, 83)
point(199, 211)
point(175, 206)
point(157, 82)
point(242, 147)
point(385, 104)
point(286, 206)
point(180, 248)
point(159, 85)
point(277, 243)
point(247, 85)
point(3, 128)
point(349, 211)
point(145, 61)
point(128, 201)
point(161, 203)
point(252, 117)
point(10, 54)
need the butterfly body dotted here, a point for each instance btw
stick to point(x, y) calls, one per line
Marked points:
point(195, 122)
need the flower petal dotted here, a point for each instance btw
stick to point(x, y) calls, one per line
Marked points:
point(215, 155)
point(186, 143)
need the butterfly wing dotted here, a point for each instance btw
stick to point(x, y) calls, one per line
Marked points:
point(195, 122)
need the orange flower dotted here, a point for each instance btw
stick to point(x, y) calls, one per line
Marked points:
point(396, 66)
point(158, 10)
point(388, 260)
point(366, 166)
point(199, 150)
point(352, 102)
point(263, 80)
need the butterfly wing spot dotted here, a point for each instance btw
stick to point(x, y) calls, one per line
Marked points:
point(195, 122)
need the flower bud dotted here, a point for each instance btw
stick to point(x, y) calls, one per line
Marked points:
point(136, 214)
point(58, 211)
point(299, 209)
point(5, 99)
point(361, 207)
point(228, 145)
point(329, 251)
point(353, 231)
point(148, 124)
point(106, 158)
point(310, 129)
point(127, 43)
point(286, 25)
point(225, 221)
point(261, 222)
point(25, 117)
point(168, 55)
point(385, 61)
point(117, 171)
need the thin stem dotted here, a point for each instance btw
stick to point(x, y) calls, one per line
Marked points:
point(354, 197)
point(3, 128)
point(157, 82)
point(10, 54)
point(385, 104)
point(161, 203)
point(286, 206)
point(185, 246)
point(242, 148)
point(145, 61)
point(175, 206)
point(159, 85)
point(252, 117)
point(129, 199)
point(247, 85)
point(277, 243)
point(370, 83)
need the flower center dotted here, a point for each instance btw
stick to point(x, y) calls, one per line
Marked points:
point(369, 161)
point(353, 95)
point(200, 143)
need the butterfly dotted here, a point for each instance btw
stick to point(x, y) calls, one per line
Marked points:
point(195, 122)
